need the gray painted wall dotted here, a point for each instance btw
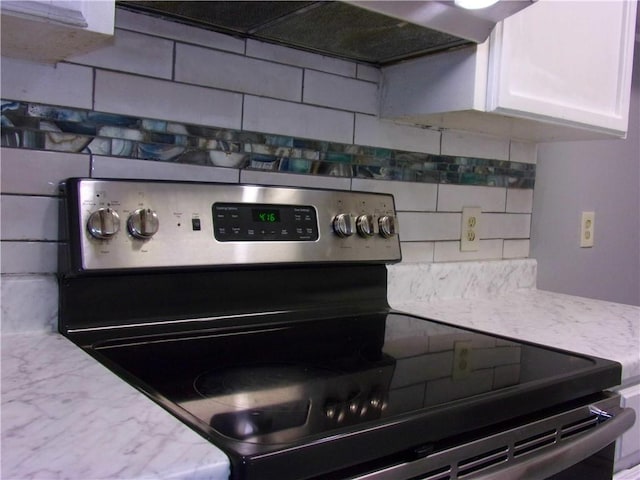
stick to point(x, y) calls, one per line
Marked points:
point(600, 176)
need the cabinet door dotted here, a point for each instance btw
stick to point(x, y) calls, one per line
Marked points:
point(567, 62)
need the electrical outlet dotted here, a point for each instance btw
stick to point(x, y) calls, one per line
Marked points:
point(461, 360)
point(586, 229)
point(469, 236)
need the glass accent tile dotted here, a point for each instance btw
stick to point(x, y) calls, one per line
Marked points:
point(46, 127)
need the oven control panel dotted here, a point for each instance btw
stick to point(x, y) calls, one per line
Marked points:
point(238, 222)
point(129, 224)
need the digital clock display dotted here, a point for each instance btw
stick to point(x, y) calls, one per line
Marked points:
point(265, 215)
point(264, 222)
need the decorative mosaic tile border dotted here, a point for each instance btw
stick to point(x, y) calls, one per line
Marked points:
point(44, 127)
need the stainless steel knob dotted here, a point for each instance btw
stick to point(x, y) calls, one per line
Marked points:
point(364, 225)
point(387, 226)
point(103, 223)
point(143, 223)
point(343, 225)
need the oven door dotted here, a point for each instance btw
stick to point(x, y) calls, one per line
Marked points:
point(578, 443)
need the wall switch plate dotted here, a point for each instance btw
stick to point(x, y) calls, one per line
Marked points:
point(469, 236)
point(586, 229)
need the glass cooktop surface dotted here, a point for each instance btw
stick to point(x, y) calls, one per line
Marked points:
point(281, 383)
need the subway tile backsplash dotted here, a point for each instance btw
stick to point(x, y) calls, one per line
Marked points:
point(62, 84)
point(126, 20)
point(452, 198)
point(171, 101)
point(134, 53)
point(201, 66)
point(29, 218)
point(145, 97)
point(339, 92)
point(116, 167)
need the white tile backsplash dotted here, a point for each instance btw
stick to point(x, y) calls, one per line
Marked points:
point(146, 97)
point(29, 218)
point(417, 252)
point(37, 172)
point(504, 225)
point(519, 200)
point(467, 144)
point(61, 84)
point(369, 73)
point(177, 31)
point(453, 198)
point(427, 226)
point(228, 71)
point(132, 52)
point(523, 152)
point(516, 249)
point(450, 251)
point(291, 56)
point(117, 167)
point(407, 196)
point(372, 131)
point(294, 180)
point(29, 257)
point(339, 92)
point(306, 121)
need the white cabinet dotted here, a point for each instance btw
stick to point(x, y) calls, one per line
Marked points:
point(557, 70)
point(51, 30)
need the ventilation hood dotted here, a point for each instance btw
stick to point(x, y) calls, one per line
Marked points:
point(374, 32)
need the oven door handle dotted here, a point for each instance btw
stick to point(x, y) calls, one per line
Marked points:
point(568, 453)
point(538, 465)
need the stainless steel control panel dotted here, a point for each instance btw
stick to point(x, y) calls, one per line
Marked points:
point(138, 224)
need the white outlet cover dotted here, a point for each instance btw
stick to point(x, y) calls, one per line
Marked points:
point(469, 229)
point(586, 229)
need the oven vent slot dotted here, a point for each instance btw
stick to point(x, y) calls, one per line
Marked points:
point(482, 461)
point(443, 473)
point(579, 426)
point(534, 442)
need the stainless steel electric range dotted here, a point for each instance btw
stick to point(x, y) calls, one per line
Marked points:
point(258, 317)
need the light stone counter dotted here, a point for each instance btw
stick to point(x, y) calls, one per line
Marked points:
point(65, 416)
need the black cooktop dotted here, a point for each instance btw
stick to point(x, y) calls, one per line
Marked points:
point(281, 387)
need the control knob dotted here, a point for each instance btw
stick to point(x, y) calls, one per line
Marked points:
point(364, 224)
point(103, 223)
point(343, 225)
point(143, 223)
point(387, 226)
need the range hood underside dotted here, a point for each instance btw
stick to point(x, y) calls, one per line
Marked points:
point(336, 29)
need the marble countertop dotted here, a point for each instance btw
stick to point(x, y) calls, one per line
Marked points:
point(65, 416)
